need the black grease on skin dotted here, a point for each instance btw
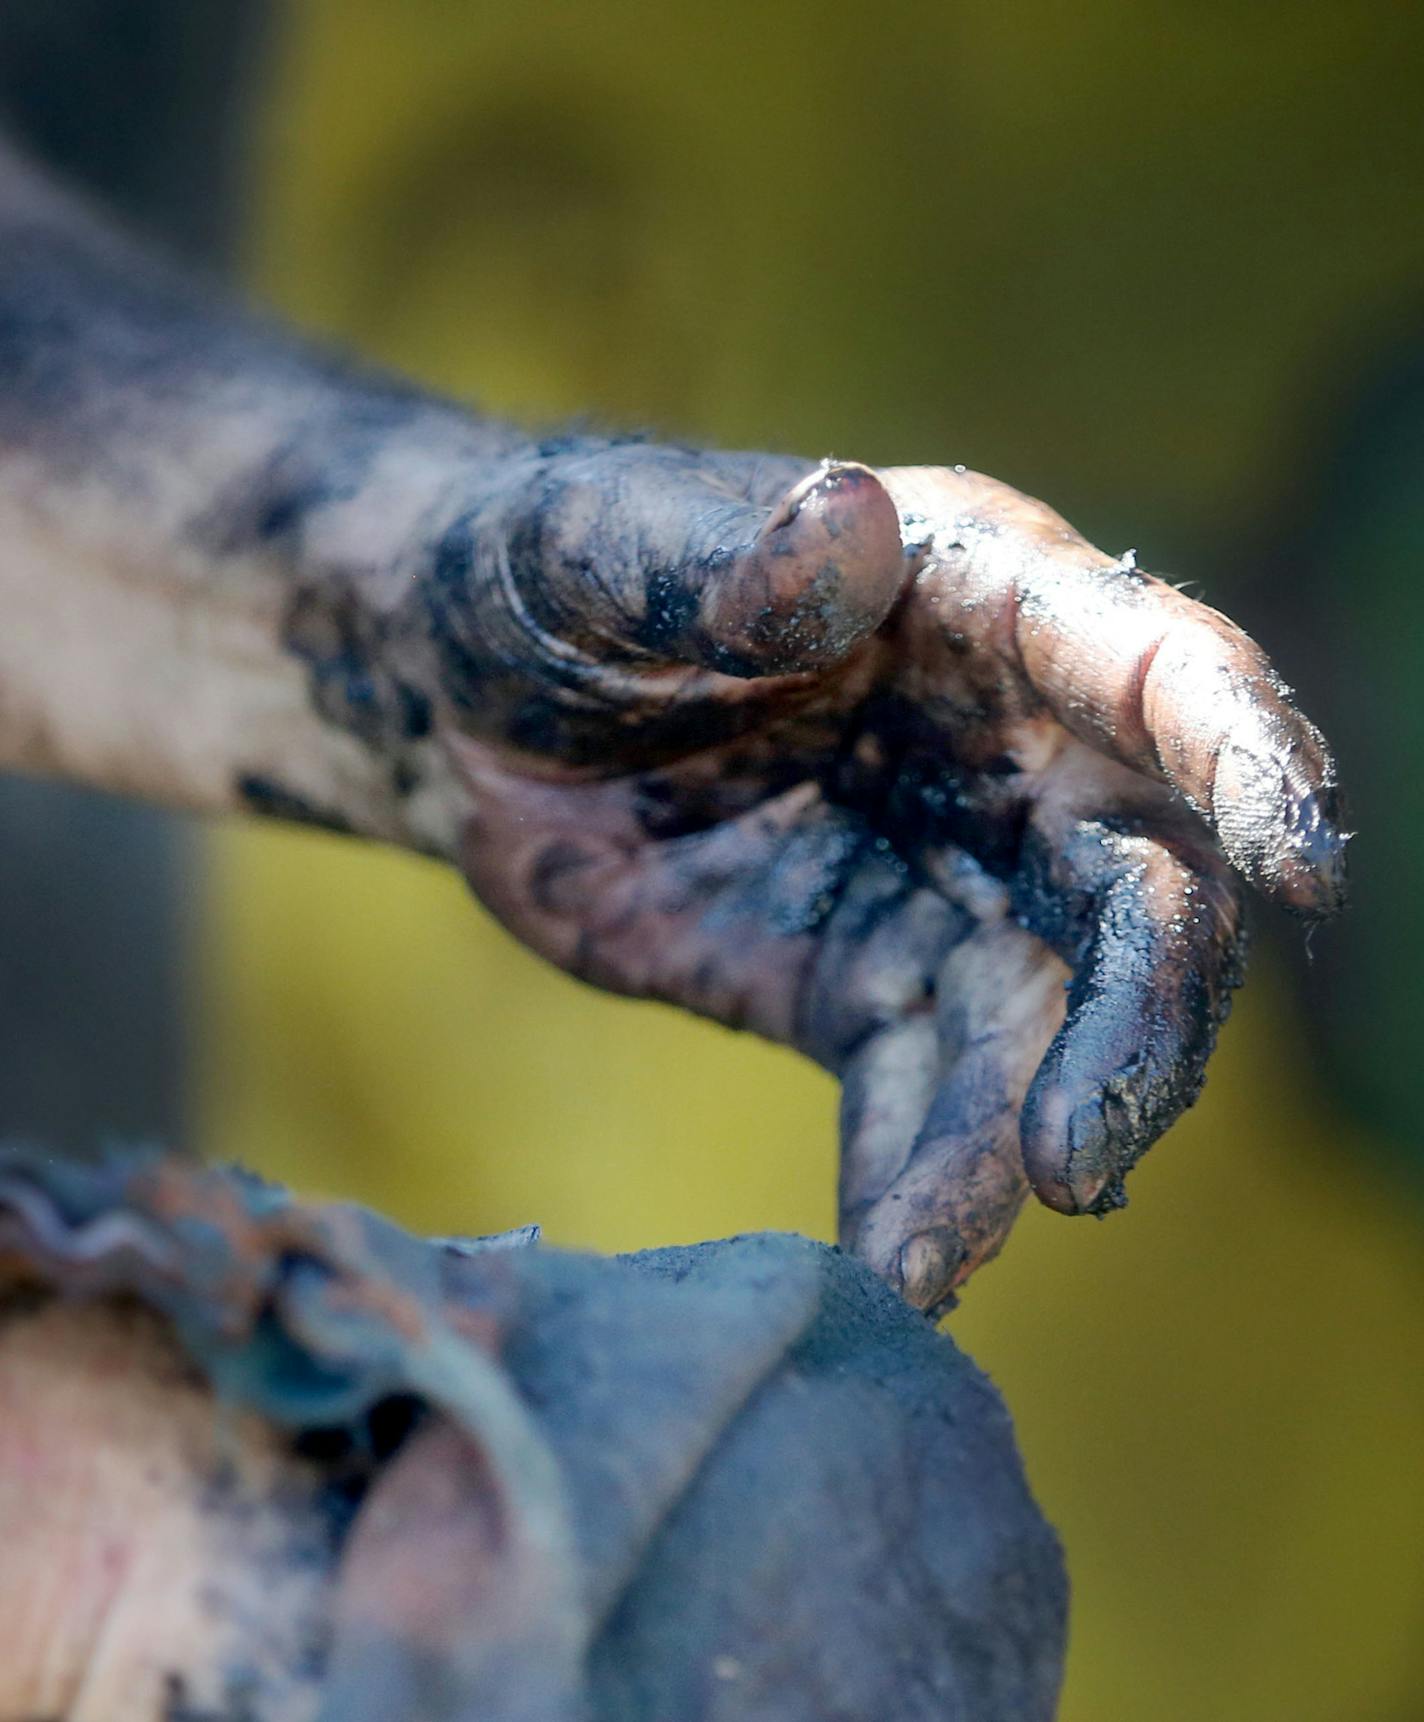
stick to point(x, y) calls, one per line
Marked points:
point(520, 678)
point(235, 1705)
point(1133, 982)
point(872, 913)
point(353, 684)
point(533, 627)
point(102, 352)
point(911, 800)
point(446, 594)
point(922, 798)
point(924, 801)
point(669, 610)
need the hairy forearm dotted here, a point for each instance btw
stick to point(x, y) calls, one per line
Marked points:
point(238, 572)
point(201, 518)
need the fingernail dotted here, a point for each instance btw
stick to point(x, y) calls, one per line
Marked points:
point(1091, 1164)
point(833, 483)
point(928, 1265)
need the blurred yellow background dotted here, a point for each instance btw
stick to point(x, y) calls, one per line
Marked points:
point(1095, 250)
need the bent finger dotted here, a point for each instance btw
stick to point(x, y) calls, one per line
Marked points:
point(662, 554)
point(926, 1217)
point(1175, 687)
point(1148, 677)
point(1152, 985)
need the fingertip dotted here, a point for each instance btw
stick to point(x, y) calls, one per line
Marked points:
point(1065, 1141)
point(1145, 1007)
point(928, 1267)
point(924, 1268)
point(836, 561)
point(1228, 736)
point(844, 495)
point(824, 571)
point(1313, 876)
point(1281, 826)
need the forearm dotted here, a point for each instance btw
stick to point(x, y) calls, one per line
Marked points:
point(201, 518)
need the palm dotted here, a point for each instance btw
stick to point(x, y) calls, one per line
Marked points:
point(827, 789)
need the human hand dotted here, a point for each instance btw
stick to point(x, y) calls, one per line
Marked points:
point(861, 762)
point(857, 761)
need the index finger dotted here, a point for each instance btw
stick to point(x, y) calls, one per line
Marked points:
point(1146, 676)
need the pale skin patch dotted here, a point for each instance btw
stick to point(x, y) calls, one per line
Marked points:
point(156, 1550)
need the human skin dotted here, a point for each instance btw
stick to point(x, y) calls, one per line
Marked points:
point(870, 763)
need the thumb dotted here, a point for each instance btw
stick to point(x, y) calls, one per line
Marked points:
point(661, 551)
point(817, 574)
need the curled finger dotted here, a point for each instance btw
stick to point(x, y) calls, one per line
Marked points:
point(928, 1216)
point(649, 550)
point(1153, 976)
point(1146, 675)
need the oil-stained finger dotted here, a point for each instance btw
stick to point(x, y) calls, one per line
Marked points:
point(1144, 674)
point(928, 1206)
point(1164, 683)
point(1153, 927)
point(653, 549)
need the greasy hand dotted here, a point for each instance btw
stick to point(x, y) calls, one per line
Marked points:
point(892, 768)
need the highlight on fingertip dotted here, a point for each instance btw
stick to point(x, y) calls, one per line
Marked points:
point(1314, 869)
point(823, 572)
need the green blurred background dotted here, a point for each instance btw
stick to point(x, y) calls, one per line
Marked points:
point(1162, 263)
